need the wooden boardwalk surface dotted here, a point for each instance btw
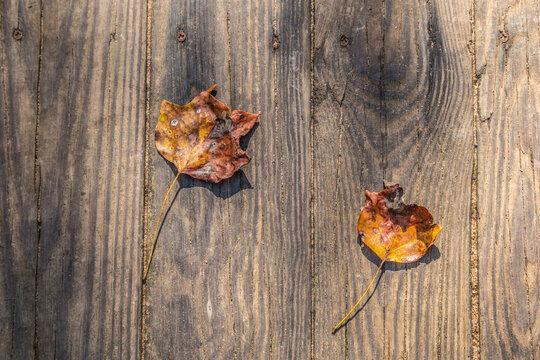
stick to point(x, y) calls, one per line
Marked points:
point(440, 96)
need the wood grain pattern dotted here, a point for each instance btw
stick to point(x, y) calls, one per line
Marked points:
point(90, 152)
point(231, 274)
point(507, 69)
point(18, 189)
point(392, 99)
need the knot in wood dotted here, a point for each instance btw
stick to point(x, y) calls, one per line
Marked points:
point(181, 36)
point(275, 42)
point(503, 36)
point(17, 34)
point(343, 41)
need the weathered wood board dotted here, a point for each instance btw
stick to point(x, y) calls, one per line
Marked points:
point(507, 69)
point(73, 116)
point(440, 96)
point(90, 152)
point(392, 100)
point(18, 188)
point(231, 274)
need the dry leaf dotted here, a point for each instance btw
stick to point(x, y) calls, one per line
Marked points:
point(200, 143)
point(394, 231)
point(401, 233)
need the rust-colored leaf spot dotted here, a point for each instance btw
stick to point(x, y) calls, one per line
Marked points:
point(200, 142)
point(396, 232)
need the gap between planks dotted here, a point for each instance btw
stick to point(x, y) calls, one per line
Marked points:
point(147, 84)
point(473, 262)
point(37, 182)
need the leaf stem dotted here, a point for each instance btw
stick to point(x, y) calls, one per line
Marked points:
point(157, 227)
point(336, 328)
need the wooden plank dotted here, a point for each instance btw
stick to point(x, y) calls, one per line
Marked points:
point(392, 99)
point(507, 68)
point(231, 274)
point(90, 152)
point(18, 192)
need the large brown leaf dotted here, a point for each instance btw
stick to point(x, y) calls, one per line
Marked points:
point(198, 141)
point(201, 142)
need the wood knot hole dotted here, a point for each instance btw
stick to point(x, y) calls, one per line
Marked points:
point(181, 36)
point(343, 41)
point(275, 42)
point(17, 34)
point(503, 36)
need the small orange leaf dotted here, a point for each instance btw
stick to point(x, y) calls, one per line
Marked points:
point(394, 231)
point(401, 232)
point(198, 141)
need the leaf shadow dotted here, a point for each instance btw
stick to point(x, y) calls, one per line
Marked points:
point(224, 189)
point(244, 140)
point(432, 254)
